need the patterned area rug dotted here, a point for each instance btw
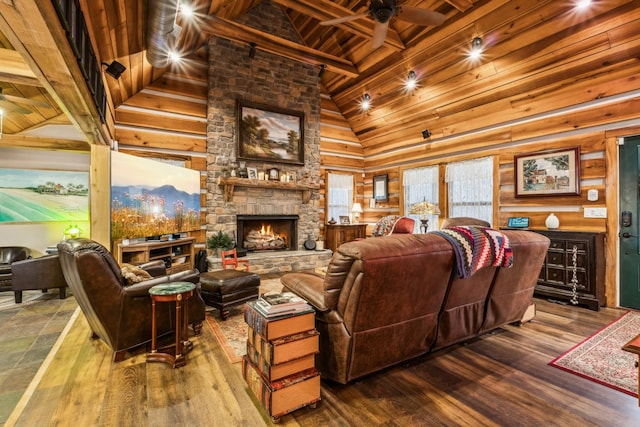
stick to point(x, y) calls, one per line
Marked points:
point(232, 333)
point(600, 358)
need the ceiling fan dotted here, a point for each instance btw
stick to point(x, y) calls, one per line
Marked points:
point(383, 10)
point(9, 102)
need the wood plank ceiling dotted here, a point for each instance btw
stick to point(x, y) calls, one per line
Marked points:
point(535, 54)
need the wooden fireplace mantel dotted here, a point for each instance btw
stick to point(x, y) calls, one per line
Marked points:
point(229, 185)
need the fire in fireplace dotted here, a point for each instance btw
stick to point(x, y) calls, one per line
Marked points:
point(267, 232)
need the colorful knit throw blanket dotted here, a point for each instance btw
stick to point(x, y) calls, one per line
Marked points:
point(476, 247)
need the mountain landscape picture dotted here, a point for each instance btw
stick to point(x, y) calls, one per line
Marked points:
point(151, 198)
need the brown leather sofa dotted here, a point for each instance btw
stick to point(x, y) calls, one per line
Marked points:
point(9, 255)
point(118, 313)
point(390, 299)
point(38, 273)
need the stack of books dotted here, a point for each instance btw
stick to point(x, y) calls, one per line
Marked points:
point(279, 366)
point(273, 305)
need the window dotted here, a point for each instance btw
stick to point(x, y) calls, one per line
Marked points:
point(470, 186)
point(421, 184)
point(339, 195)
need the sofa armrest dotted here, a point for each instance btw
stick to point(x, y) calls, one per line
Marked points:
point(308, 286)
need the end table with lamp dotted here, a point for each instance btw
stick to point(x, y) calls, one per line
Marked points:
point(423, 209)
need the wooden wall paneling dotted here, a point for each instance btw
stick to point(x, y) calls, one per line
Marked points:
point(153, 101)
point(180, 87)
point(341, 147)
point(149, 139)
point(165, 122)
point(328, 160)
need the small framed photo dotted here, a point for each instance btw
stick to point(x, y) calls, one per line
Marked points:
point(252, 173)
point(381, 188)
point(274, 174)
point(292, 177)
point(344, 220)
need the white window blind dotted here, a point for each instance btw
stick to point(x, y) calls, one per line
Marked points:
point(421, 184)
point(470, 187)
point(340, 195)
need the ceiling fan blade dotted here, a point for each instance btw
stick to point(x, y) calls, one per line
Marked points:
point(22, 100)
point(6, 105)
point(344, 19)
point(379, 34)
point(417, 16)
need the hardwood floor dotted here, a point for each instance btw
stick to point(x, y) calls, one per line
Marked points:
point(500, 379)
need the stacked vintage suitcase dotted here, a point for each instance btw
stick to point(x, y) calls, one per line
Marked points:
point(279, 366)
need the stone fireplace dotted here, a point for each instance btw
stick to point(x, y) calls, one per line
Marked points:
point(267, 232)
point(281, 83)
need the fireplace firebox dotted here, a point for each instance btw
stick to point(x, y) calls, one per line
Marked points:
point(267, 232)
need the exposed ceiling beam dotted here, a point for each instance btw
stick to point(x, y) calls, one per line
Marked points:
point(240, 33)
point(461, 5)
point(13, 69)
point(324, 10)
point(38, 37)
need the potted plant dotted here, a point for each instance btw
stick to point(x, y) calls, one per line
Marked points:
point(220, 241)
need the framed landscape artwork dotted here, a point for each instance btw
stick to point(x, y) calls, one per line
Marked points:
point(29, 195)
point(270, 134)
point(548, 173)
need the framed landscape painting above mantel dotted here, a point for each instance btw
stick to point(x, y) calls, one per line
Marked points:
point(548, 173)
point(270, 134)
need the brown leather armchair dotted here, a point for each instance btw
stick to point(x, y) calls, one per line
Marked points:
point(9, 255)
point(118, 313)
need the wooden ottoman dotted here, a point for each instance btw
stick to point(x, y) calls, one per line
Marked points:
point(226, 288)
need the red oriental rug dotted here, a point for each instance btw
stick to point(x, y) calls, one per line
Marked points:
point(232, 333)
point(600, 357)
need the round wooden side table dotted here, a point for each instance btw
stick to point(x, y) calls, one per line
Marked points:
point(178, 292)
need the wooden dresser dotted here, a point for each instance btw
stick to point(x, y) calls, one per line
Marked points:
point(337, 234)
point(555, 277)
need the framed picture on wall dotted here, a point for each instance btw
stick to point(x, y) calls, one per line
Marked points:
point(269, 133)
point(548, 173)
point(381, 187)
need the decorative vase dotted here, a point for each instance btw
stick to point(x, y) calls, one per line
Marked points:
point(552, 222)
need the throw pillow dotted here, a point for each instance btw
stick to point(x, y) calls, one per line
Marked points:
point(134, 274)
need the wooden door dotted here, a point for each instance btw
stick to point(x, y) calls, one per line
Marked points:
point(629, 223)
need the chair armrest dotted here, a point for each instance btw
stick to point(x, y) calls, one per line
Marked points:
point(142, 288)
point(155, 268)
point(308, 286)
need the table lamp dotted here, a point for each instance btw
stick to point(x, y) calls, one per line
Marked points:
point(423, 209)
point(356, 210)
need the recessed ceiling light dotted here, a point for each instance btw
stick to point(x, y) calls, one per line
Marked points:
point(174, 56)
point(476, 48)
point(412, 81)
point(583, 4)
point(186, 10)
point(365, 104)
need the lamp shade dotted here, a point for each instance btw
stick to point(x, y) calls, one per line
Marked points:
point(356, 208)
point(424, 208)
